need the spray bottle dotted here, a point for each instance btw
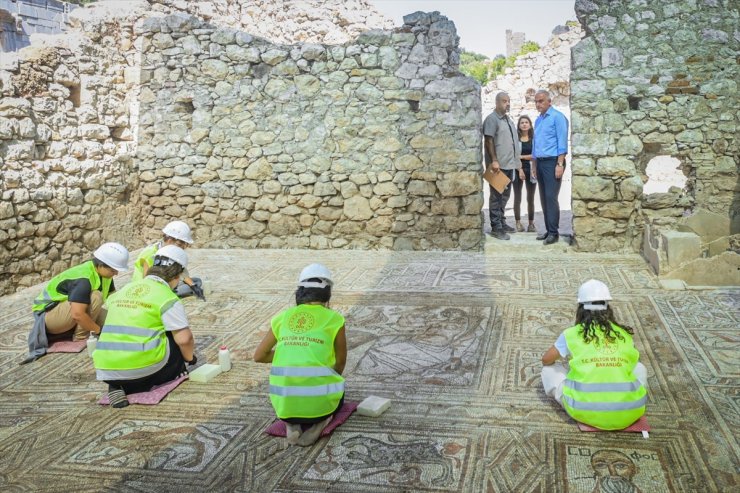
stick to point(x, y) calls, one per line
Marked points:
point(92, 341)
point(224, 358)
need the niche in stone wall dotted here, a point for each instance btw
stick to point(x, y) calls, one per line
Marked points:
point(75, 94)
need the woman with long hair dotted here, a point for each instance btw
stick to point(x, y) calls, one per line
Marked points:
point(527, 176)
point(605, 385)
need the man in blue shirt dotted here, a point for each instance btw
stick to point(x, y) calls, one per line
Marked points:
point(548, 153)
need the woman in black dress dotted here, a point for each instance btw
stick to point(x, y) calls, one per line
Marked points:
point(526, 134)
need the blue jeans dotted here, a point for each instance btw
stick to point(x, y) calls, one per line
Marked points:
point(549, 191)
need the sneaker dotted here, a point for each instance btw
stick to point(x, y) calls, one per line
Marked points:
point(509, 229)
point(519, 227)
point(117, 398)
point(531, 229)
point(500, 235)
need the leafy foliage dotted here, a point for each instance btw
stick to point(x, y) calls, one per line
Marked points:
point(483, 69)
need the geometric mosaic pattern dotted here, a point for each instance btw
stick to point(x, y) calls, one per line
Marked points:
point(453, 339)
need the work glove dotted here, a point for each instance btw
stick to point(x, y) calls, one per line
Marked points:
point(198, 292)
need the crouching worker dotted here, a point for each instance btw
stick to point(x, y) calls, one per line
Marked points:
point(146, 340)
point(310, 351)
point(71, 305)
point(175, 233)
point(605, 387)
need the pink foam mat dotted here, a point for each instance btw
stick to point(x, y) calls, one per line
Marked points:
point(152, 397)
point(638, 426)
point(66, 346)
point(278, 427)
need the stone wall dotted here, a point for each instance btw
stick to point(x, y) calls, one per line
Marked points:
point(371, 144)
point(68, 127)
point(67, 115)
point(653, 78)
point(286, 21)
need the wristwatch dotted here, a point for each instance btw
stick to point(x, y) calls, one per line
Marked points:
point(560, 165)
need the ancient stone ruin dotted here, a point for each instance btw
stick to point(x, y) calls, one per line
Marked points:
point(143, 112)
point(131, 120)
point(658, 79)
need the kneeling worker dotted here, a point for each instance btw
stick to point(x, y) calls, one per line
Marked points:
point(307, 347)
point(146, 340)
point(71, 305)
point(175, 233)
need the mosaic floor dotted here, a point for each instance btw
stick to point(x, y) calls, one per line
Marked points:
point(453, 339)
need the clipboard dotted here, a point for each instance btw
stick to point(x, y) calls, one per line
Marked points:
point(499, 181)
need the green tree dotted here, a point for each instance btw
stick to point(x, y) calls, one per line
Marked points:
point(483, 69)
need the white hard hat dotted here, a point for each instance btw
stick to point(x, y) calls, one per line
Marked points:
point(171, 252)
point(315, 271)
point(591, 291)
point(179, 230)
point(113, 255)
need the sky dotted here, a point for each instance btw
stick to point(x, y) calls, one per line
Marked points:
point(482, 24)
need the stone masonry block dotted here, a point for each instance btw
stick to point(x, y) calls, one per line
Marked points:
point(681, 247)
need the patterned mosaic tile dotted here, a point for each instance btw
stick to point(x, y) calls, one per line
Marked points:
point(453, 339)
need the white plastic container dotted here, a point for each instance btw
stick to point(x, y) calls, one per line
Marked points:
point(205, 373)
point(224, 358)
point(92, 341)
point(373, 406)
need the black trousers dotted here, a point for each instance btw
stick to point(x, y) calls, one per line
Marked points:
point(497, 203)
point(527, 168)
point(174, 367)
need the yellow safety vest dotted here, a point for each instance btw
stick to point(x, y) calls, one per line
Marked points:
point(133, 339)
point(146, 255)
point(601, 389)
point(303, 383)
point(85, 270)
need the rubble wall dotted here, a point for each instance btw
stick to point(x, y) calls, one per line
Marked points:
point(370, 144)
point(68, 182)
point(653, 79)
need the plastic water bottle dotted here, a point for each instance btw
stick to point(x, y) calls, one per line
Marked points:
point(224, 358)
point(92, 341)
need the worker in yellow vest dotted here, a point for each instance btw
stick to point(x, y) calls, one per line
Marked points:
point(146, 339)
point(605, 385)
point(175, 233)
point(71, 304)
point(307, 347)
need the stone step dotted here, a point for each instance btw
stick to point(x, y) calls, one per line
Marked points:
point(526, 243)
